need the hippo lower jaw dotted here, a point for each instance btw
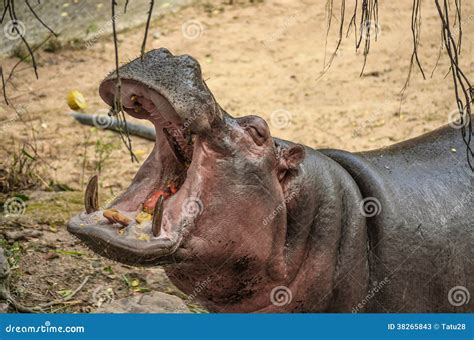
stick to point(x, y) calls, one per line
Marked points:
point(146, 224)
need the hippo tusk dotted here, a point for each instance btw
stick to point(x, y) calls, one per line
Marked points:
point(157, 217)
point(91, 197)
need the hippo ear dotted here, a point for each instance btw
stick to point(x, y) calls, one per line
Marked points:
point(289, 160)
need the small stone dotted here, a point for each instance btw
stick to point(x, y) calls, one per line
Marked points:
point(3, 308)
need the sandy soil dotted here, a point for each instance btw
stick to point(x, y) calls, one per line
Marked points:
point(261, 58)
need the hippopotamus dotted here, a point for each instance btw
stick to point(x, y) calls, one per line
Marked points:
point(243, 221)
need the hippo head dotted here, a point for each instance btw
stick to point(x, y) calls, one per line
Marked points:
point(211, 194)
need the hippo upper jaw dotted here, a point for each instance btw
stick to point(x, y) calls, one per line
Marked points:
point(173, 84)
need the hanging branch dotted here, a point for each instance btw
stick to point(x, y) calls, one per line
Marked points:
point(150, 11)
point(416, 31)
point(10, 9)
point(117, 109)
point(368, 20)
point(329, 7)
point(369, 17)
point(19, 62)
point(3, 86)
point(13, 17)
point(462, 87)
point(125, 7)
point(39, 19)
point(464, 91)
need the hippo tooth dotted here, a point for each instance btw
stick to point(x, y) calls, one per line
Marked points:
point(157, 217)
point(115, 216)
point(91, 197)
point(109, 214)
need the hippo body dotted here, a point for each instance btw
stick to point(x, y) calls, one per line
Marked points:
point(421, 234)
point(244, 222)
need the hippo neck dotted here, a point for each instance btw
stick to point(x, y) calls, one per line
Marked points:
point(327, 236)
point(325, 248)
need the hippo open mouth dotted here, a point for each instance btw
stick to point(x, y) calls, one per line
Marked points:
point(149, 220)
point(213, 193)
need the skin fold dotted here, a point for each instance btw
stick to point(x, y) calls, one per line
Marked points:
point(259, 224)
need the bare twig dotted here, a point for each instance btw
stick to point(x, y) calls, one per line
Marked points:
point(39, 19)
point(9, 7)
point(368, 22)
point(462, 86)
point(415, 29)
point(150, 11)
point(19, 62)
point(3, 86)
point(67, 298)
point(117, 109)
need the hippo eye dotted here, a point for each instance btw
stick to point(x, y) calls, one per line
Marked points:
point(258, 137)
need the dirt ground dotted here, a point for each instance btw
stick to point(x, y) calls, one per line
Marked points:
point(261, 58)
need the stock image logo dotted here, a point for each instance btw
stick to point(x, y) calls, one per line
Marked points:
point(192, 207)
point(103, 121)
point(458, 119)
point(14, 29)
point(281, 296)
point(371, 27)
point(458, 296)
point(192, 29)
point(370, 207)
point(280, 118)
point(14, 206)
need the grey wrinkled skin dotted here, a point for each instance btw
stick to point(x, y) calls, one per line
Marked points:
point(389, 230)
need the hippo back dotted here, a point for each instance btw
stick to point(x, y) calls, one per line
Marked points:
point(418, 199)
